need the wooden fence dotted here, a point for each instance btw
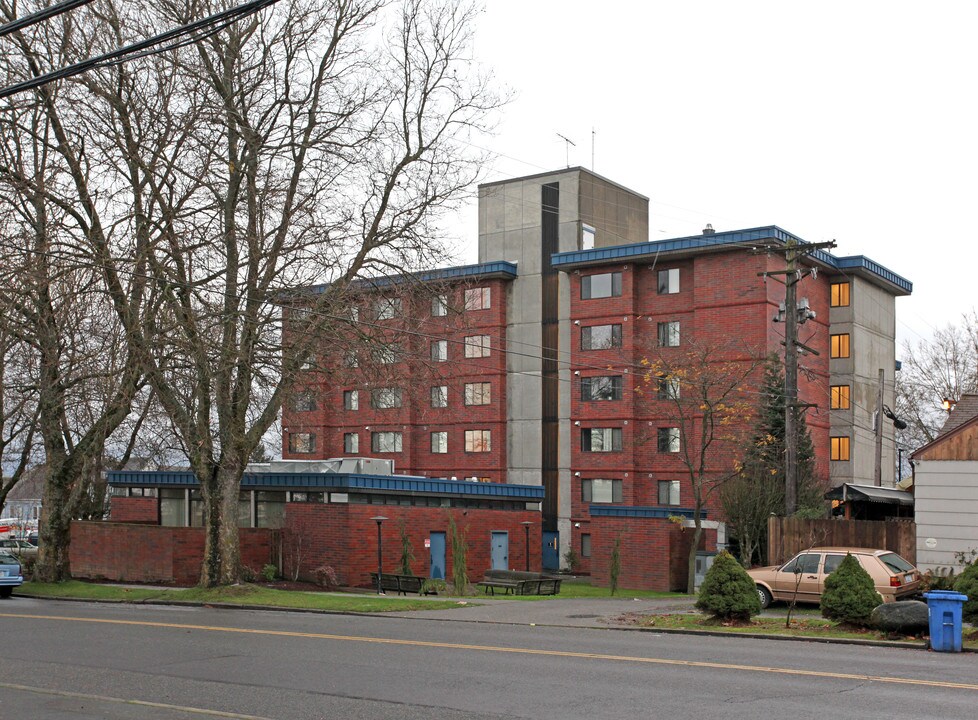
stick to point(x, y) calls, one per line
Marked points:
point(788, 536)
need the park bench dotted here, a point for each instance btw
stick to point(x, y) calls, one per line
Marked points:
point(519, 582)
point(401, 584)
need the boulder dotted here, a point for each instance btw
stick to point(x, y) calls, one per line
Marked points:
point(907, 617)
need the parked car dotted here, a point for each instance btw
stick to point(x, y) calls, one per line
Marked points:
point(803, 577)
point(18, 547)
point(10, 576)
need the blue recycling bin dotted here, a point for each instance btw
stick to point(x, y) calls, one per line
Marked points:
point(944, 615)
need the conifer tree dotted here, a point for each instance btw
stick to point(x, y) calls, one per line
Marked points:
point(728, 592)
point(849, 595)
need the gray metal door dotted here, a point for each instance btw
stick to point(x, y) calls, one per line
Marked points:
point(437, 556)
point(500, 551)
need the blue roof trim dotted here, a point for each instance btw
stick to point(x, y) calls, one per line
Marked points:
point(720, 240)
point(639, 511)
point(501, 268)
point(339, 481)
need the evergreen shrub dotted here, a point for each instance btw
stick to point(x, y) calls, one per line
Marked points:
point(728, 592)
point(849, 595)
point(967, 583)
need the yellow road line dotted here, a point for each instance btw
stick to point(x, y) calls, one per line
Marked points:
point(129, 701)
point(514, 650)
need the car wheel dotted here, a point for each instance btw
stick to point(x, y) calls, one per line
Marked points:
point(765, 595)
point(6, 592)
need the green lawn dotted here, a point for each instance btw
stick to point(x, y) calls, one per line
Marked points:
point(582, 588)
point(236, 595)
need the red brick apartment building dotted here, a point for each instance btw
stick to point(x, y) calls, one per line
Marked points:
point(524, 369)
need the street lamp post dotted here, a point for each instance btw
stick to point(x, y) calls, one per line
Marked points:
point(526, 527)
point(379, 519)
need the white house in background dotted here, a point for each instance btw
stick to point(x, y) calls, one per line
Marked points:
point(946, 489)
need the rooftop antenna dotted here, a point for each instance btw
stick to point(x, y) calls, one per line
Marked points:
point(593, 133)
point(567, 145)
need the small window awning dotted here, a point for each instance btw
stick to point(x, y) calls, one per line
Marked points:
point(870, 493)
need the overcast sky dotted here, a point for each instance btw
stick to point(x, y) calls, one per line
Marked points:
point(852, 121)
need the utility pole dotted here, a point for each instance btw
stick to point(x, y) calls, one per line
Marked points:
point(792, 315)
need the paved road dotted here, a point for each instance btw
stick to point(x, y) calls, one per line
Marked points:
point(79, 660)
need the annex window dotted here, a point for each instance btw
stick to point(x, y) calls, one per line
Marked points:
point(478, 393)
point(477, 346)
point(439, 306)
point(585, 545)
point(387, 354)
point(351, 399)
point(669, 334)
point(600, 337)
point(600, 439)
point(386, 442)
point(840, 346)
point(477, 298)
point(669, 281)
point(668, 492)
point(302, 443)
point(840, 397)
point(304, 401)
point(439, 351)
point(840, 448)
point(387, 308)
point(173, 507)
point(839, 295)
point(667, 439)
point(600, 491)
point(439, 442)
point(666, 388)
point(601, 286)
point(385, 398)
point(439, 396)
point(477, 441)
point(602, 387)
point(270, 508)
point(351, 443)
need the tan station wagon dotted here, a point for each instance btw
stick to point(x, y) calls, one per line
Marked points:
point(805, 574)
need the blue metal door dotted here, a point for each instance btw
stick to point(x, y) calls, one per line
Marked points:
point(551, 556)
point(437, 564)
point(500, 551)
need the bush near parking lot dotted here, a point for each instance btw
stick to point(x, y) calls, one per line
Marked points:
point(849, 595)
point(728, 591)
point(967, 583)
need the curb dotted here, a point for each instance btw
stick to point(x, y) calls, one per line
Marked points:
point(899, 644)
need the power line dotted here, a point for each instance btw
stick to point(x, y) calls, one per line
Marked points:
point(41, 15)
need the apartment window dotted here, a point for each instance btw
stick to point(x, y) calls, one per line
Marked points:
point(309, 363)
point(351, 443)
point(840, 448)
point(354, 314)
point(602, 387)
point(840, 346)
point(600, 491)
point(439, 306)
point(669, 281)
point(350, 359)
point(600, 337)
point(600, 439)
point(477, 298)
point(387, 354)
point(477, 441)
point(587, 237)
point(304, 401)
point(386, 442)
point(302, 442)
point(601, 286)
point(840, 397)
point(351, 399)
point(585, 545)
point(439, 396)
point(385, 398)
point(666, 388)
point(387, 308)
point(668, 492)
point(439, 351)
point(477, 346)
point(839, 295)
point(478, 393)
point(439, 442)
point(669, 334)
point(667, 439)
